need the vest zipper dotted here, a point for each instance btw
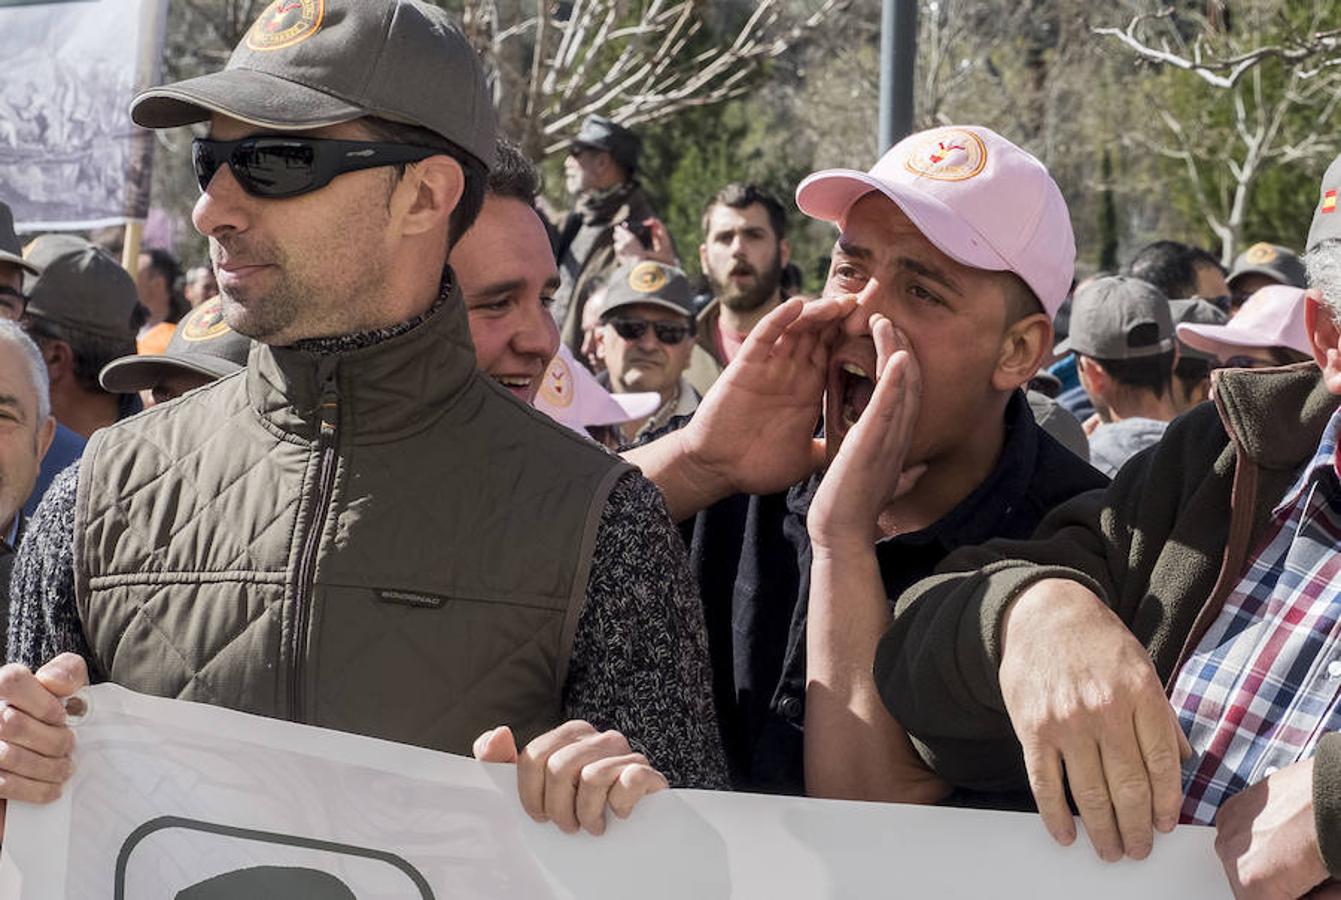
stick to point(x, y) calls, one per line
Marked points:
point(329, 415)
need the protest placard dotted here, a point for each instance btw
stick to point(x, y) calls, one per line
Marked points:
point(69, 155)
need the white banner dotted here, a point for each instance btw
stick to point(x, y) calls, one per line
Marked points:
point(180, 801)
point(70, 157)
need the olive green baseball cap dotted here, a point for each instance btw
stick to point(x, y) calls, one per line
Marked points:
point(81, 286)
point(649, 283)
point(307, 64)
point(202, 344)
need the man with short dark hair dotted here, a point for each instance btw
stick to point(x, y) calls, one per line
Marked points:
point(1122, 336)
point(356, 516)
point(83, 312)
point(1181, 272)
point(601, 173)
point(645, 339)
point(743, 254)
point(1166, 650)
point(932, 275)
point(508, 278)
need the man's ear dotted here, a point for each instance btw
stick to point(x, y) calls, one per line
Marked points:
point(703, 258)
point(59, 358)
point(1023, 348)
point(1093, 377)
point(1325, 338)
point(46, 433)
point(784, 253)
point(427, 194)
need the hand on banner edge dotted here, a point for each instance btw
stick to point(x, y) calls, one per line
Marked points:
point(571, 774)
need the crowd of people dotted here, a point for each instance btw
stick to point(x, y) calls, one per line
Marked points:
point(957, 529)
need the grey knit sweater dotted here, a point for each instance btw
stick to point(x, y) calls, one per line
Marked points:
point(640, 655)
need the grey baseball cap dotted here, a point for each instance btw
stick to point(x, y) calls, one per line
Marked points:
point(1327, 218)
point(311, 63)
point(1278, 263)
point(11, 249)
point(1195, 312)
point(202, 344)
point(605, 134)
point(1119, 318)
point(81, 286)
point(649, 283)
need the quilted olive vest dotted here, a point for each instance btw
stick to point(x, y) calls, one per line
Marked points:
point(382, 541)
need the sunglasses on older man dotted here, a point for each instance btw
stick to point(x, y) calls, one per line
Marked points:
point(669, 333)
point(276, 166)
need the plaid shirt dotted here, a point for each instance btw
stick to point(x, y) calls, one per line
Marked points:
point(1265, 682)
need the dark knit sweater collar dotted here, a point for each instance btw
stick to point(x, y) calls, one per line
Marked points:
point(374, 387)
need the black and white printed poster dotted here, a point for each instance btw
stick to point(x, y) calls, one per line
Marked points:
point(70, 157)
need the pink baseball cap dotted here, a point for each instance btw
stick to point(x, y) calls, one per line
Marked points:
point(570, 395)
point(1272, 317)
point(981, 200)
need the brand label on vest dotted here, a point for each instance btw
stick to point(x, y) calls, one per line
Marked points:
point(406, 598)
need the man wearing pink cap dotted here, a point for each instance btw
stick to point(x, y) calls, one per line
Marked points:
point(1190, 612)
point(1268, 330)
point(953, 254)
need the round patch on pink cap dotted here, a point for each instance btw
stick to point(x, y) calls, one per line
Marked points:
point(948, 154)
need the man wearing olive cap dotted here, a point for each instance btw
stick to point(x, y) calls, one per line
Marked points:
point(1195, 598)
point(360, 514)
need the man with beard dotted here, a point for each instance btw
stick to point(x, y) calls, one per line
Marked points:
point(743, 253)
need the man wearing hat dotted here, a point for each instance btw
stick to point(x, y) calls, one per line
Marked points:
point(1122, 336)
point(65, 446)
point(600, 171)
point(83, 312)
point(1261, 265)
point(933, 274)
point(1268, 330)
point(355, 516)
point(645, 340)
point(202, 349)
point(1188, 613)
point(1192, 372)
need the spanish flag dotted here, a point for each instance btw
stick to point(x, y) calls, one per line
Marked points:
point(1329, 201)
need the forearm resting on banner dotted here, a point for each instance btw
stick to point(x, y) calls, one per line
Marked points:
point(854, 749)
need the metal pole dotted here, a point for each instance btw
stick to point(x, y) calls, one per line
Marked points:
point(898, 68)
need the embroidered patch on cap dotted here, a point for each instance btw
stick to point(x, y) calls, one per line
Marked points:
point(1258, 254)
point(557, 388)
point(948, 154)
point(1329, 202)
point(285, 23)
point(205, 322)
point(647, 278)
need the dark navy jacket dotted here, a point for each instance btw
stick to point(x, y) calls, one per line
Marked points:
point(752, 559)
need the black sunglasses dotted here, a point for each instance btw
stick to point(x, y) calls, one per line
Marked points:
point(275, 166)
point(669, 333)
